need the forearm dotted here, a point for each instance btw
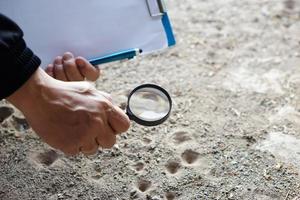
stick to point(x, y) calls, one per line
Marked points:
point(30, 91)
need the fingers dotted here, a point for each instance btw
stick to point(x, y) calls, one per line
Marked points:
point(70, 67)
point(90, 148)
point(87, 70)
point(100, 134)
point(58, 70)
point(107, 139)
point(118, 120)
point(49, 70)
point(71, 151)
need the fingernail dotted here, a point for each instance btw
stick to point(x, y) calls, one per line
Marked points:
point(58, 61)
point(67, 56)
point(80, 63)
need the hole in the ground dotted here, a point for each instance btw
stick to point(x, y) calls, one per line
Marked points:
point(134, 195)
point(139, 166)
point(180, 137)
point(144, 185)
point(123, 105)
point(96, 177)
point(173, 167)
point(170, 195)
point(48, 157)
point(20, 123)
point(5, 112)
point(147, 140)
point(190, 156)
point(290, 4)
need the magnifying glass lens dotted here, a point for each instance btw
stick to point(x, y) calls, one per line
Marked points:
point(149, 104)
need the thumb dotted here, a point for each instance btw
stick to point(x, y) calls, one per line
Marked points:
point(87, 70)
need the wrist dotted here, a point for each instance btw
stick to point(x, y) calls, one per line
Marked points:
point(30, 91)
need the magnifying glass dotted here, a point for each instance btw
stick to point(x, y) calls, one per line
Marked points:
point(149, 105)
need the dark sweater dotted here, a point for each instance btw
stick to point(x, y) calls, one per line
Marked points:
point(17, 61)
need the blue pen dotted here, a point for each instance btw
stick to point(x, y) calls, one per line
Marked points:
point(127, 54)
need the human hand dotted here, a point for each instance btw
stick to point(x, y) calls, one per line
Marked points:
point(69, 116)
point(69, 68)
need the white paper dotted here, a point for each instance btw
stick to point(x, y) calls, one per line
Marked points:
point(90, 28)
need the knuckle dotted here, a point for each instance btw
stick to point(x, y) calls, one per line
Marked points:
point(99, 122)
point(69, 66)
point(82, 116)
point(105, 105)
point(58, 69)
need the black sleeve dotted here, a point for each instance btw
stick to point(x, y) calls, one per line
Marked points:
point(17, 62)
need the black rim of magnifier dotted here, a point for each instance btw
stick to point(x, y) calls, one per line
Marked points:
point(144, 122)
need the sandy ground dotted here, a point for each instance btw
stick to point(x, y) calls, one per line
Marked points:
point(234, 132)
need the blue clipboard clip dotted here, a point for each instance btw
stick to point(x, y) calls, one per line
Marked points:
point(122, 55)
point(157, 8)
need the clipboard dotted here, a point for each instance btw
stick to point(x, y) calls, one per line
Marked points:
point(100, 30)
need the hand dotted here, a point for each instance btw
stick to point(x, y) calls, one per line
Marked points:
point(69, 68)
point(70, 116)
